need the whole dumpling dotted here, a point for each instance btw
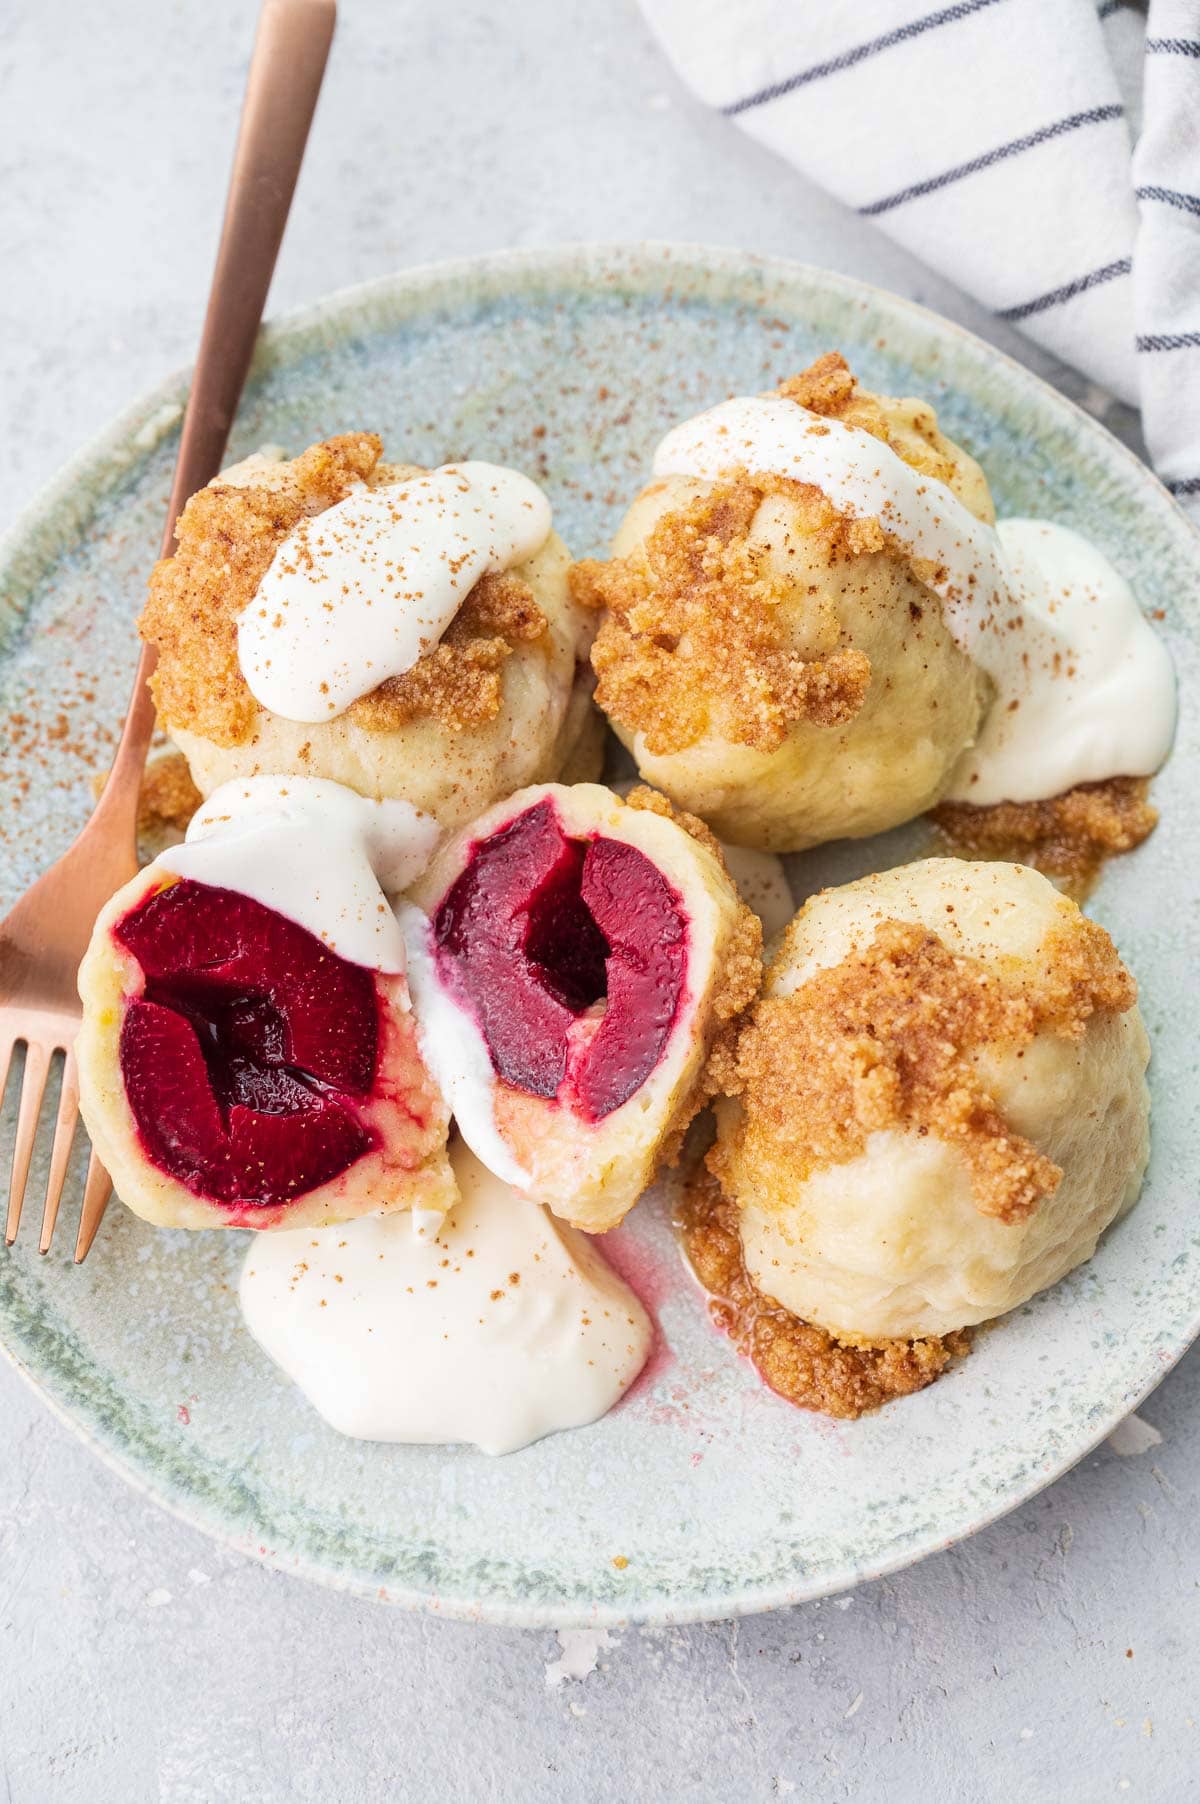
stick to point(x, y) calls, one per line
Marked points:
point(779, 667)
point(502, 700)
point(939, 1105)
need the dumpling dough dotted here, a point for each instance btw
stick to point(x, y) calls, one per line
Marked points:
point(797, 683)
point(503, 701)
point(907, 1190)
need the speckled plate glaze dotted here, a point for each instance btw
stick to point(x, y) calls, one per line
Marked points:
point(702, 1495)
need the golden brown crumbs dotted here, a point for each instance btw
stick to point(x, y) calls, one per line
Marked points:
point(828, 387)
point(801, 1362)
point(653, 801)
point(226, 538)
point(459, 682)
point(1068, 836)
point(886, 1037)
point(168, 798)
point(692, 640)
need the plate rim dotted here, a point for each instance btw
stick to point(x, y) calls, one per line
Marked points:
point(136, 430)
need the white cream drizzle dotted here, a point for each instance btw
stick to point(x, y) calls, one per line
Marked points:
point(1086, 690)
point(1083, 688)
point(358, 593)
point(506, 1327)
point(454, 1051)
point(316, 853)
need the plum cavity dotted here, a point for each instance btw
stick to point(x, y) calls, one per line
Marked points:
point(541, 931)
point(249, 1048)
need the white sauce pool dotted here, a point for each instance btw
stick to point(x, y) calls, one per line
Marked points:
point(358, 593)
point(316, 853)
point(505, 1327)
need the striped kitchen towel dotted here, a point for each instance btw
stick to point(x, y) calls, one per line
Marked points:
point(989, 137)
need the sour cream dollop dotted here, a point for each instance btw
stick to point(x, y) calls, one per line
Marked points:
point(360, 592)
point(1084, 689)
point(506, 1326)
point(315, 852)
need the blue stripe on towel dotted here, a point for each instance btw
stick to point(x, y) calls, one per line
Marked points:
point(1172, 197)
point(1094, 116)
point(1068, 291)
point(848, 58)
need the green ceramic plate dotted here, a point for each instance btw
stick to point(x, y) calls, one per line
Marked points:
point(713, 1496)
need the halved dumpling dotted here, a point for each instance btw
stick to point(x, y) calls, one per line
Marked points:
point(573, 958)
point(236, 1072)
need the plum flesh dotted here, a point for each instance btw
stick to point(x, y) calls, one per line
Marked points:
point(541, 930)
point(250, 1050)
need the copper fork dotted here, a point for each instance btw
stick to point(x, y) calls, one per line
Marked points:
point(45, 935)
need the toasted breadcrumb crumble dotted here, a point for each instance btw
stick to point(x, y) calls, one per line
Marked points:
point(799, 1361)
point(692, 641)
point(828, 387)
point(226, 538)
point(885, 1039)
point(167, 797)
point(1068, 836)
point(458, 683)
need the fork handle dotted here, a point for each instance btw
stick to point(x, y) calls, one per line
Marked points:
point(288, 62)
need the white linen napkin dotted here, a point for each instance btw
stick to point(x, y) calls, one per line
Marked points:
point(989, 137)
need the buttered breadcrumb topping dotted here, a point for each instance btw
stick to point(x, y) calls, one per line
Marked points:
point(1068, 836)
point(226, 539)
point(885, 1039)
point(694, 640)
point(798, 1360)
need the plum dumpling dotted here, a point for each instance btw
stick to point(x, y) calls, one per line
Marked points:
point(776, 643)
point(248, 1056)
point(406, 632)
point(574, 959)
point(935, 1110)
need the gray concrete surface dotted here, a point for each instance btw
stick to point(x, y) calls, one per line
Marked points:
point(1051, 1658)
